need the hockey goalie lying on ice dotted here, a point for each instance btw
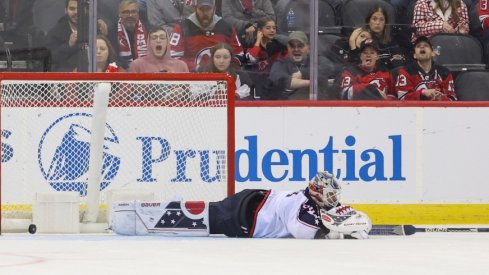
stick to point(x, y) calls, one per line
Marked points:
point(311, 213)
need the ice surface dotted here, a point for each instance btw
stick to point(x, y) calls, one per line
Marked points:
point(422, 253)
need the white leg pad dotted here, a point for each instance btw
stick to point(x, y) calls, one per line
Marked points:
point(176, 218)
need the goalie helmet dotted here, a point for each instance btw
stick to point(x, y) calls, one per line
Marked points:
point(325, 190)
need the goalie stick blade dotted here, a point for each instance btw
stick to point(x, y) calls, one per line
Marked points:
point(392, 230)
point(454, 229)
point(406, 230)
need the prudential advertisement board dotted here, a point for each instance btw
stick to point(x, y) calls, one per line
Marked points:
point(382, 155)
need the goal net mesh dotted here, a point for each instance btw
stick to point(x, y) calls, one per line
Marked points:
point(167, 136)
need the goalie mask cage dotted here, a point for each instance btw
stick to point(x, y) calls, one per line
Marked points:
point(171, 134)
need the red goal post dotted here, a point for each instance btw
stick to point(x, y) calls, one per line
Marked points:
point(171, 134)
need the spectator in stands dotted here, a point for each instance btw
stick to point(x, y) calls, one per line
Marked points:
point(192, 39)
point(422, 79)
point(45, 13)
point(367, 80)
point(390, 54)
point(243, 15)
point(159, 58)
point(132, 36)
point(62, 39)
point(346, 51)
point(220, 62)
point(266, 49)
point(440, 16)
point(289, 76)
point(168, 13)
point(106, 56)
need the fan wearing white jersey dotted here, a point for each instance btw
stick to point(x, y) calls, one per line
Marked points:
point(312, 213)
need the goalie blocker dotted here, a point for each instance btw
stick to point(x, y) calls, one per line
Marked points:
point(314, 212)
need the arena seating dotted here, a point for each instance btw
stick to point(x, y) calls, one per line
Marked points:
point(472, 85)
point(327, 16)
point(458, 52)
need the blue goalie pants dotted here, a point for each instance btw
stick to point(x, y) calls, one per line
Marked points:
point(234, 216)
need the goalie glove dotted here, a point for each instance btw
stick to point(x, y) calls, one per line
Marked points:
point(347, 221)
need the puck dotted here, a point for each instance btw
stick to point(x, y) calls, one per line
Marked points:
point(32, 228)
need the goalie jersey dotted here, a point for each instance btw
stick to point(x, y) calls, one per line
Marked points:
point(287, 215)
point(248, 214)
point(267, 214)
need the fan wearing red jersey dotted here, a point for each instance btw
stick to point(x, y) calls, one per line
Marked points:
point(423, 79)
point(192, 39)
point(484, 14)
point(368, 80)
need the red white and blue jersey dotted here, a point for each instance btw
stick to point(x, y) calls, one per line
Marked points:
point(285, 214)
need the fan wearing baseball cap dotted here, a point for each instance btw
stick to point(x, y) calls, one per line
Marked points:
point(423, 79)
point(367, 80)
point(289, 76)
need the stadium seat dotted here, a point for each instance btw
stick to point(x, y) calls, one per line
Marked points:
point(325, 43)
point(410, 11)
point(458, 52)
point(354, 12)
point(472, 85)
point(326, 14)
point(25, 60)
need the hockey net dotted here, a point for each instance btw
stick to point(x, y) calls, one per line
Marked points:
point(170, 134)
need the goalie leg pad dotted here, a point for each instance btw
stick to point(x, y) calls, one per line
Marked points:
point(176, 218)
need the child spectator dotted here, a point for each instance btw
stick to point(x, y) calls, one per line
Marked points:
point(266, 48)
point(243, 14)
point(220, 62)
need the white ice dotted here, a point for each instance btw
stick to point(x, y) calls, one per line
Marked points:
point(422, 253)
